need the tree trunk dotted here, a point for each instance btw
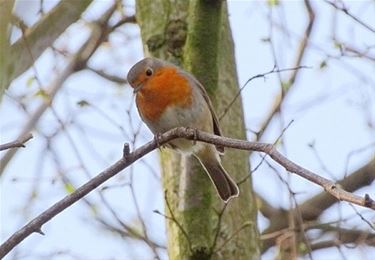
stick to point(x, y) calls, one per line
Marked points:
point(196, 35)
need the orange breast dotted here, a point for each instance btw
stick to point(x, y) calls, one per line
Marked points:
point(165, 88)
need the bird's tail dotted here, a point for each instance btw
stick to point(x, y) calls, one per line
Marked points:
point(225, 186)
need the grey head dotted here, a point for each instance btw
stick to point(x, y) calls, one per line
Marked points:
point(143, 70)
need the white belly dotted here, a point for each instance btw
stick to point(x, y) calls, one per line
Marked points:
point(199, 118)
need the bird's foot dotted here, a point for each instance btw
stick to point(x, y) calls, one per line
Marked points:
point(195, 133)
point(157, 138)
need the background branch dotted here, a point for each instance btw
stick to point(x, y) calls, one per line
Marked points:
point(349, 14)
point(6, 8)
point(312, 208)
point(17, 143)
point(105, 75)
point(77, 62)
point(344, 236)
point(41, 36)
point(292, 78)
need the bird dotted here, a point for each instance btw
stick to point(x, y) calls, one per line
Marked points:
point(168, 97)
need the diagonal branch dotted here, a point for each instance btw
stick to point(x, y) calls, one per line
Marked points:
point(105, 75)
point(312, 208)
point(262, 75)
point(266, 208)
point(17, 143)
point(40, 37)
point(349, 14)
point(35, 225)
point(77, 62)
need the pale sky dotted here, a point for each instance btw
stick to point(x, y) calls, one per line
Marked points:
point(326, 106)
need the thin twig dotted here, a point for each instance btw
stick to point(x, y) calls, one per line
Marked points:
point(262, 75)
point(295, 212)
point(312, 208)
point(363, 218)
point(346, 11)
point(105, 75)
point(173, 218)
point(235, 233)
point(344, 236)
point(301, 52)
point(20, 142)
point(341, 235)
point(179, 226)
point(124, 20)
point(218, 228)
point(139, 215)
point(79, 59)
point(264, 156)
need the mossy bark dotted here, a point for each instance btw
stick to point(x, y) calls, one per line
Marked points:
point(196, 35)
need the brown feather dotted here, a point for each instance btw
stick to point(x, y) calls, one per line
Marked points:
point(215, 121)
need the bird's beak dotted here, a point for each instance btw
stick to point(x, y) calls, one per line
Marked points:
point(137, 88)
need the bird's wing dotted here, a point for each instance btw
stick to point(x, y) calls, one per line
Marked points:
point(216, 126)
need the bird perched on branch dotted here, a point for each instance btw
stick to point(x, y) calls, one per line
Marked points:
point(169, 97)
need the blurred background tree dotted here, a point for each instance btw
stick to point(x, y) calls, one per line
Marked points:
point(63, 67)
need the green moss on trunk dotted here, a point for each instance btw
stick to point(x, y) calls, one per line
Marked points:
point(201, 54)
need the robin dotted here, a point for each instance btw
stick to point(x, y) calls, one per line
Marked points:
point(169, 97)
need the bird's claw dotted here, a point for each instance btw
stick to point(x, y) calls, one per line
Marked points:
point(125, 150)
point(157, 138)
point(195, 134)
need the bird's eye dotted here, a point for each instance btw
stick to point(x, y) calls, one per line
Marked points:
point(149, 72)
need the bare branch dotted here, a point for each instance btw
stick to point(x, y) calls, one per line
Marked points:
point(312, 208)
point(17, 143)
point(172, 217)
point(262, 75)
point(340, 235)
point(290, 82)
point(174, 220)
point(344, 236)
point(103, 74)
point(218, 228)
point(346, 11)
point(181, 132)
point(124, 20)
point(129, 232)
point(77, 62)
point(267, 209)
point(235, 233)
point(362, 217)
point(41, 36)
point(304, 42)
point(356, 52)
